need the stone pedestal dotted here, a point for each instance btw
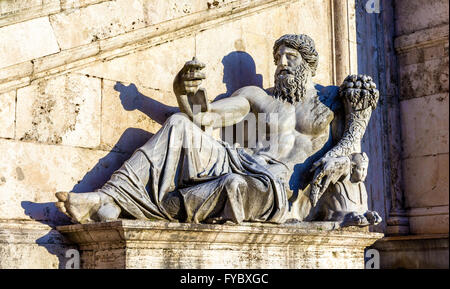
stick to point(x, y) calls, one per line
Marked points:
point(149, 244)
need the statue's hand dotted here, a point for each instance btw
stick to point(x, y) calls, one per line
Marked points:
point(188, 80)
point(328, 170)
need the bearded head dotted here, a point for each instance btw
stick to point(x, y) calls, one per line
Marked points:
point(291, 82)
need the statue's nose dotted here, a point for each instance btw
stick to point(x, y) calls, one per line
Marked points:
point(283, 60)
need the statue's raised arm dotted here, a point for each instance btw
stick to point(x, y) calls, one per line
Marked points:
point(193, 101)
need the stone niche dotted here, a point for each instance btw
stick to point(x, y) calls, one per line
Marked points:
point(156, 245)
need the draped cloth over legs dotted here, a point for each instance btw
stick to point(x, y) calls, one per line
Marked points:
point(184, 174)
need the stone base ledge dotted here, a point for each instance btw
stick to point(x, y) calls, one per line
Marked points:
point(150, 244)
point(414, 252)
point(27, 244)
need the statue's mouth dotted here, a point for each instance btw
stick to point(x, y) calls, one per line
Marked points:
point(285, 71)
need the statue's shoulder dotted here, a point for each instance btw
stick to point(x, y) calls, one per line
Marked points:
point(252, 93)
point(329, 95)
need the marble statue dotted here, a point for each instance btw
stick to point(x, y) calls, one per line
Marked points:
point(306, 165)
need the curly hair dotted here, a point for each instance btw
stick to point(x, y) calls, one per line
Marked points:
point(303, 44)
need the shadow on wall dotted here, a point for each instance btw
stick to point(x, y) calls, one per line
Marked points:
point(239, 70)
point(132, 99)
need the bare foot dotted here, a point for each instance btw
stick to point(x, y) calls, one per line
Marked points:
point(87, 207)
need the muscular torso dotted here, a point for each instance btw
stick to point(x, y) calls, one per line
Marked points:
point(293, 132)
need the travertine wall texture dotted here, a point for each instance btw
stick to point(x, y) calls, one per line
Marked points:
point(83, 83)
point(423, 61)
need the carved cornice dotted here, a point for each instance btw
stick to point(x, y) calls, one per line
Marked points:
point(422, 38)
point(22, 74)
point(303, 233)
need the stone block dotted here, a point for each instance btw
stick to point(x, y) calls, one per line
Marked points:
point(73, 4)
point(297, 17)
point(423, 39)
point(413, 252)
point(31, 245)
point(413, 15)
point(153, 68)
point(424, 124)
point(424, 78)
point(31, 173)
point(312, 18)
point(150, 244)
point(27, 40)
point(435, 224)
point(422, 54)
point(158, 11)
point(255, 62)
point(98, 21)
point(7, 114)
point(426, 181)
point(217, 48)
point(14, 6)
point(131, 115)
point(16, 11)
point(61, 110)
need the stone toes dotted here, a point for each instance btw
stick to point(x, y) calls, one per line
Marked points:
point(62, 196)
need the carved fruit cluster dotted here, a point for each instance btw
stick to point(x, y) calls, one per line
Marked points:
point(360, 91)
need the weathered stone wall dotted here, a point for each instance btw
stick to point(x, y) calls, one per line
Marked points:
point(422, 47)
point(419, 212)
point(83, 83)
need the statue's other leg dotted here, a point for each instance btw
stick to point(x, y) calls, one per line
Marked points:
point(179, 153)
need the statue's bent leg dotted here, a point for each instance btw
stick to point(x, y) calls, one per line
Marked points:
point(178, 154)
point(233, 197)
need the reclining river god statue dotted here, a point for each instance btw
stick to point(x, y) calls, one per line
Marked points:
point(306, 164)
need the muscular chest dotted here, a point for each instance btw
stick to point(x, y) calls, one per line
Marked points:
point(312, 117)
point(277, 117)
point(309, 117)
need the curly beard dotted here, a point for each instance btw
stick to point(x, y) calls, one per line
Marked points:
point(291, 87)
